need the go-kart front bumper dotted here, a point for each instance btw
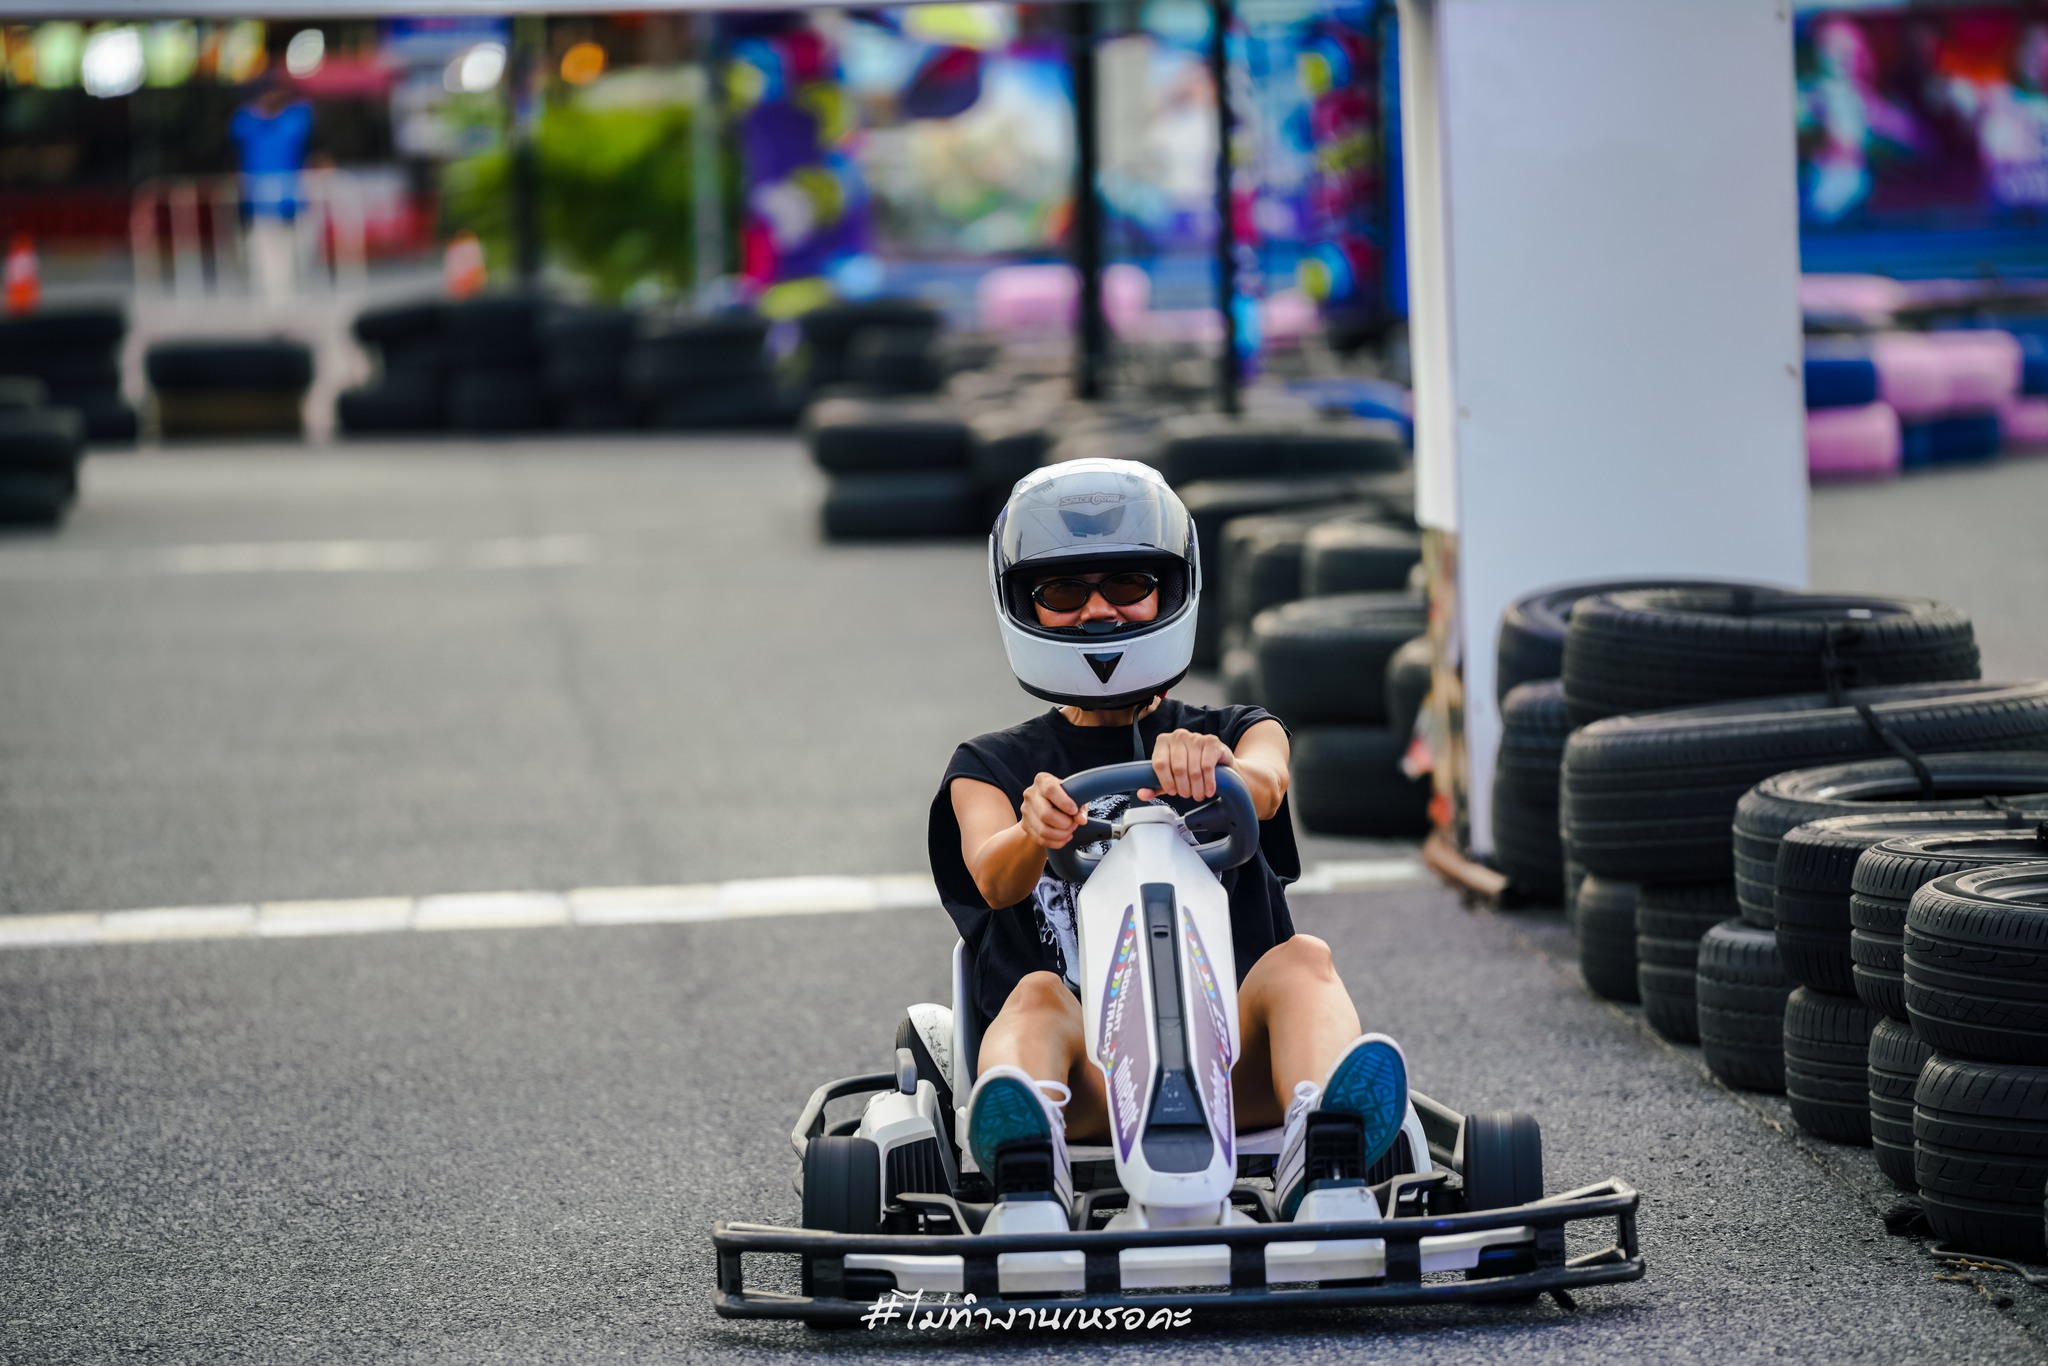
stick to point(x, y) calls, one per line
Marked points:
point(1246, 1266)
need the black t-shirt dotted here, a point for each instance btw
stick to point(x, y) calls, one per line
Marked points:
point(1039, 933)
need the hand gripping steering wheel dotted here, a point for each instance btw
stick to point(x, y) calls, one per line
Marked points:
point(1230, 812)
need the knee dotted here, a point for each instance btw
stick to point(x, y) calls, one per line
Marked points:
point(1303, 956)
point(1039, 995)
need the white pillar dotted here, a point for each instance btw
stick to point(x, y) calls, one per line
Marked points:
point(1603, 277)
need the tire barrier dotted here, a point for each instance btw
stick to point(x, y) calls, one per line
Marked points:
point(1607, 937)
point(1532, 628)
point(1652, 797)
point(1325, 659)
point(1896, 1057)
point(1671, 919)
point(407, 396)
point(828, 334)
point(1976, 964)
point(1347, 780)
point(1407, 687)
point(234, 388)
point(1352, 555)
point(1882, 887)
point(40, 452)
point(1992, 783)
point(1740, 991)
point(1980, 1153)
point(1642, 650)
point(1827, 1064)
point(902, 504)
point(74, 350)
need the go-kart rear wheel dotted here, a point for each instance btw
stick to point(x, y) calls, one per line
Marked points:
point(1502, 1168)
point(842, 1190)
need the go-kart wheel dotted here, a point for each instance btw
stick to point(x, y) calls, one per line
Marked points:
point(842, 1189)
point(1502, 1168)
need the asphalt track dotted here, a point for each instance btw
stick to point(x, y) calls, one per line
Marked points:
point(410, 669)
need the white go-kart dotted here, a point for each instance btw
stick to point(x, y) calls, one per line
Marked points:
point(1178, 1208)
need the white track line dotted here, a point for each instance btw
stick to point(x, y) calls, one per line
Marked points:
point(741, 900)
point(298, 557)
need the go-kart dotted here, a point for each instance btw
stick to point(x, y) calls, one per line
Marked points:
point(1178, 1209)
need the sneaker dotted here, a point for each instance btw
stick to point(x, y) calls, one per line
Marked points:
point(1017, 1131)
point(1336, 1131)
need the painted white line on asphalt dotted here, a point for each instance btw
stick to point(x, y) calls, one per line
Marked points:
point(752, 898)
point(299, 557)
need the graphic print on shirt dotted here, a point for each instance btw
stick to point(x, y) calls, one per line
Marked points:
point(1057, 902)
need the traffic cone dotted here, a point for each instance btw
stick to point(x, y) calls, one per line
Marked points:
point(24, 275)
point(463, 266)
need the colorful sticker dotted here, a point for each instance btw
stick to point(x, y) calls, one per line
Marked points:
point(1210, 1031)
point(1123, 1045)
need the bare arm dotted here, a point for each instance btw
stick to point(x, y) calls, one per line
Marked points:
point(1005, 854)
point(1187, 762)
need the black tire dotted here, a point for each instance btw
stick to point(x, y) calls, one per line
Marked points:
point(42, 440)
point(1213, 446)
point(590, 329)
point(492, 332)
point(1357, 556)
point(1526, 845)
point(397, 323)
point(1740, 990)
point(1407, 685)
point(584, 374)
point(1325, 659)
point(1976, 963)
point(63, 327)
point(1534, 728)
point(493, 401)
point(67, 371)
point(1239, 676)
point(1211, 505)
point(208, 414)
point(832, 326)
point(842, 1188)
point(1607, 937)
point(591, 413)
point(426, 356)
point(1004, 448)
point(1260, 566)
point(1532, 629)
point(1896, 1057)
point(271, 363)
point(902, 505)
point(1673, 647)
point(1670, 920)
point(23, 394)
point(1574, 878)
point(1980, 1154)
point(32, 499)
point(1888, 874)
point(1785, 800)
point(896, 360)
point(110, 420)
point(878, 436)
point(1651, 797)
point(379, 408)
point(1347, 780)
point(666, 363)
point(1827, 1064)
point(1502, 1160)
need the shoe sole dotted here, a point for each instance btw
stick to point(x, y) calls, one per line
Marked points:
point(1371, 1081)
point(1006, 1111)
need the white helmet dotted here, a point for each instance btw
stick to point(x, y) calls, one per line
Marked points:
point(1085, 517)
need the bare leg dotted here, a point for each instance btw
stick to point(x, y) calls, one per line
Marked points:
point(1294, 1019)
point(1039, 1030)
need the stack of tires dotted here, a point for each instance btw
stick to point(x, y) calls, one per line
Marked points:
point(896, 468)
point(871, 346)
point(76, 353)
point(406, 395)
point(243, 388)
point(583, 360)
point(1797, 840)
point(1659, 762)
point(495, 385)
point(1951, 950)
point(708, 373)
point(40, 452)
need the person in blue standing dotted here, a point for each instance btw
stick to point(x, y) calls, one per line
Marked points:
point(272, 133)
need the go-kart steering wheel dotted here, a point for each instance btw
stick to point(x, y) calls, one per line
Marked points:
point(1230, 810)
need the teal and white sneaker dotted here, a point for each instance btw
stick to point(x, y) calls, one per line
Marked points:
point(1017, 1131)
point(1336, 1131)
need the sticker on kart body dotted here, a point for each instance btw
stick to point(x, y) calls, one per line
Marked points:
point(1211, 1040)
point(1125, 1047)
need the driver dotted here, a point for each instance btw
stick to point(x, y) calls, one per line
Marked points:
point(1095, 573)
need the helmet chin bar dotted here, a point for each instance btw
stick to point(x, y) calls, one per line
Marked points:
point(1116, 703)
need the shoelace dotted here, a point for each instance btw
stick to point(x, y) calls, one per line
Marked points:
point(1305, 1095)
point(1059, 1093)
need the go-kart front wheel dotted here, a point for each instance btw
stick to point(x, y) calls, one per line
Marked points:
point(842, 1191)
point(1503, 1167)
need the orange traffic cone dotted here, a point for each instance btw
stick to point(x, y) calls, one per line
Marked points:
point(24, 275)
point(463, 266)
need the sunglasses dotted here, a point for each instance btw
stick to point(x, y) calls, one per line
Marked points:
point(1071, 595)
